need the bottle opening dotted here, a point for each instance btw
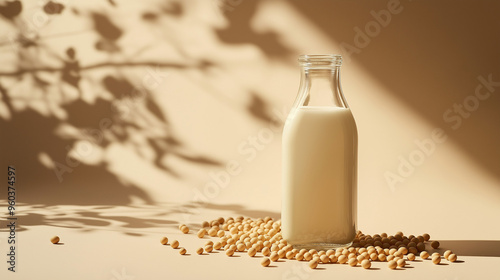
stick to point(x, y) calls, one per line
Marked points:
point(320, 60)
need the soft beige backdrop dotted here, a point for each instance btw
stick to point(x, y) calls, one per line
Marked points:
point(124, 118)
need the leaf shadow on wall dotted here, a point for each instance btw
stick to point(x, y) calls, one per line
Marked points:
point(49, 173)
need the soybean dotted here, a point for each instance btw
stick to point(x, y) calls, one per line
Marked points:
point(265, 262)
point(252, 251)
point(447, 253)
point(241, 247)
point(411, 257)
point(299, 256)
point(212, 232)
point(392, 264)
point(209, 248)
point(424, 255)
point(342, 259)
point(426, 236)
point(201, 233)
point(324, 259)
point(185, 229)
point(307, 256)
point(313, 264)
point(274, 256)
point(163, 241)
point(266, 252)
point(353, 262)
point(333, 258)
point(281, 254)
point(366, 264)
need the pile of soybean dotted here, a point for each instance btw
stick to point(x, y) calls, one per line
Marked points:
point(263, 236)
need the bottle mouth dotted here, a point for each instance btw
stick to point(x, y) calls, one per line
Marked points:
point(320, 60)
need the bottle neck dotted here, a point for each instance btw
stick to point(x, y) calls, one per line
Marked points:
point(320, 87)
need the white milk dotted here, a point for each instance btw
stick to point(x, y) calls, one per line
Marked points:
point(319, 177)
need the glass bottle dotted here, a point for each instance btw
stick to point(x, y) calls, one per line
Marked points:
point(320, 144)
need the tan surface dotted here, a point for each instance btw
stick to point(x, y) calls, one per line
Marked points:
point(218, 80)
point(91, 251)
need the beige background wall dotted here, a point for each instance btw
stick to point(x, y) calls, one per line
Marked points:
point(151, 99)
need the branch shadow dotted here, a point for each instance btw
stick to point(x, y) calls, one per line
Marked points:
point(240, 31)
point(35, 143)
point(135, 223)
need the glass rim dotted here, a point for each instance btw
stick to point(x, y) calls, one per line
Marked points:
point(324, 60)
